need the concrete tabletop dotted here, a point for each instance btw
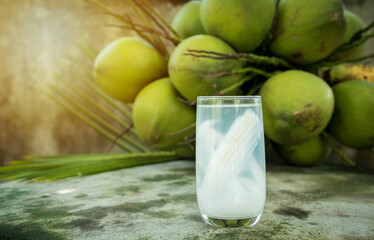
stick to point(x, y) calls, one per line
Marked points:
point(159, 202)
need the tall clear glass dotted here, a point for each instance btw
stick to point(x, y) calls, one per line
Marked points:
point(230, 160)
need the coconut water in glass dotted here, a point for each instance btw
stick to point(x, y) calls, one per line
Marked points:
point(230, 160)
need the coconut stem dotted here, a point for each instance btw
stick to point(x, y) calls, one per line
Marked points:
point(158, 15)
point(337, 150)
point(356, 40)
point(245, 57)
point(128, 21)
point(189, 145)
point(235, 85)
point(182, 130)
point(188, 141)
point(356, 43)
point(192, 134)
point(107, 10)
point(156, 18)
point(359, 33)
point(256, 71)
point(255, 88)
point(150, 16)
point(152, 31)
point(148, 22)
point(160, 48)
point(242, 71)
point(187, 102)
point(338, 62)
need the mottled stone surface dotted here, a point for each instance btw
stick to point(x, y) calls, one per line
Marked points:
point(36, 36)
point(159, 202)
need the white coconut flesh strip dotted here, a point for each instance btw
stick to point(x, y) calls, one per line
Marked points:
point(208, 139)
point(223, 193)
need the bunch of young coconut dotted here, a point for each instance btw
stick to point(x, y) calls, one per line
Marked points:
point(225, 45)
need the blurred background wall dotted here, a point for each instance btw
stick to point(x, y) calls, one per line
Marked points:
point(35, 37)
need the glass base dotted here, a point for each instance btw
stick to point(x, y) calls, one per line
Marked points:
point(231, 223)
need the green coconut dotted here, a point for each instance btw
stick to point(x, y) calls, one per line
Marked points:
point(126, 65)
point(243, 24)
point(352, 123)
point(308, 31)
point(297, 107)
point(195, 76)
point(354, 24)
point(310, 153)
point(157, 112)
point(187, 21)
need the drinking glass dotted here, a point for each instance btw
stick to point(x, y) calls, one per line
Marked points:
point(230, 160)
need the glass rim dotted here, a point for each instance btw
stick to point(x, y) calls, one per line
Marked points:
point(228, 97)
